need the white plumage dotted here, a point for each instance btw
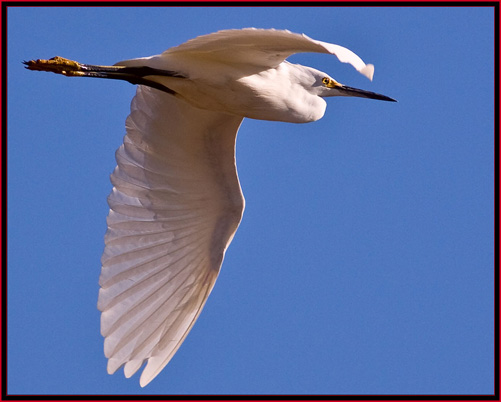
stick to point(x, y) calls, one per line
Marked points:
point(176, 201)
point(175, 207)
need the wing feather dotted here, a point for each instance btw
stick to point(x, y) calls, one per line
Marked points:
point(264, 47)
point(258, 49)
point(174, 208)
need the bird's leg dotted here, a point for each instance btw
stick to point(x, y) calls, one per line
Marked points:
point(134, 75)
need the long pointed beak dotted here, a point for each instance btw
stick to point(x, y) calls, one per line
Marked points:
point(360, 93)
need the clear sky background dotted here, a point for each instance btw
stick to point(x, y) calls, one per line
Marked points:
point(364, 261)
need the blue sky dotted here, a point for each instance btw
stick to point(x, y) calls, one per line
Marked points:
point(364, 261)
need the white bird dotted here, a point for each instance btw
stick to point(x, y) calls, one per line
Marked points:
point(176, 201)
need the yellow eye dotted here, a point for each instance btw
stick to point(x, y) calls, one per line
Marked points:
point(326, 80)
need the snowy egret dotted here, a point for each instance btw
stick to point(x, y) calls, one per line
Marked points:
point(176, 201)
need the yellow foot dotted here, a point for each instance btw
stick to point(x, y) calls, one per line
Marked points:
point(58, 65)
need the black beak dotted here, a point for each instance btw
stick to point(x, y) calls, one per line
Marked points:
point(360, 93)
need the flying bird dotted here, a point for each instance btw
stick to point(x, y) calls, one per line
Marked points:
point(176, 201)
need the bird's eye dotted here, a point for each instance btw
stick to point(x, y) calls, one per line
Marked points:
point(326, 80)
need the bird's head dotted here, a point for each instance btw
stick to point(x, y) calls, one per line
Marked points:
point(299, 95)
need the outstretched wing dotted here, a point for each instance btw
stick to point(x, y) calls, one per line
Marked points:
point(174, 208)
point(259, 48)
point(264, 47)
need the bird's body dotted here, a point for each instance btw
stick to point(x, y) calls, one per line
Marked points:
point(176, 201)
point(253, 95)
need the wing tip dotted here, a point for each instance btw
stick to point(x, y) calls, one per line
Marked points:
point(143, 382)
point(368, 71)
